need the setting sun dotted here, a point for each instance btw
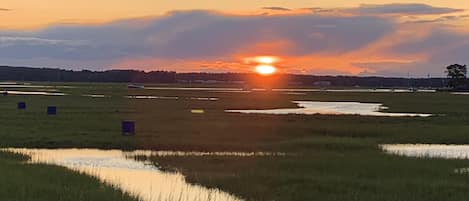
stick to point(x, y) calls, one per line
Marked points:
point(265, 64)
point(266, 69)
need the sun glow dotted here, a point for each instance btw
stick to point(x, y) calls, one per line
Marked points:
point(266, 60)
point(265, 64)
point(265, 69)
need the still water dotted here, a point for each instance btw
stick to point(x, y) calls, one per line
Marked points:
point(428, 150)
point(139, 178)
point(220, 89)
point(15, 85)
point(460, 93)
point(358, 90)
point(95, 95)
point(153, 97)
point(204, 98)
point(194, 88)
point(36, 93)
point(333, 108)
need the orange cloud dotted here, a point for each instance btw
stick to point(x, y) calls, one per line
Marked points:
point(215, 42)
point(183, 65)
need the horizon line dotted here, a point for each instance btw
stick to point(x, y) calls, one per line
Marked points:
point(228, 72)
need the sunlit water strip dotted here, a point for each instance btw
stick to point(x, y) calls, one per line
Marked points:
point(172, 98)
point(428, 150)
point(118, 168)
point(6, 85)
point(194, 88)
point(295, 90)
point(195, 153)
point(95, 95)
point(36, 93)
point(460, 93)
point(204, 98)
point(333, 108)
point(359, 90)
point(153, 97)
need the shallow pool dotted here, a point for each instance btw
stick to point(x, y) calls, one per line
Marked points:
point(428, 150)
point(153, 97)
point(139, 178)
point(333, 108)
point(35, 93)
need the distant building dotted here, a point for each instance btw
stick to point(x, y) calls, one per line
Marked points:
point(295, 83)
point(322, 83)
point(237, 82)
point(210, 82)
point(135, 86)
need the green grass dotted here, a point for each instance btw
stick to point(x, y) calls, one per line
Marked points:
point(327, 176)
point(20, 182)
point(334, 157)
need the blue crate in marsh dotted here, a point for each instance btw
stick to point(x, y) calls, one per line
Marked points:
point(128, 128)
point(52, 110)
point(22, 106)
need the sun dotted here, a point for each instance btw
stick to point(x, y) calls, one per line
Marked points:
point(266, 69)
point(265, 65)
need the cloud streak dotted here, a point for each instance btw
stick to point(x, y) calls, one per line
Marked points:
point(404, 9)
point(277, 8)
point(203, 34)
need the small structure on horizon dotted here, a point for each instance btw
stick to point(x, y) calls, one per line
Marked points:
point(51, 110)
point(135, 86)
point(21, 106)
point(322, 83)
point(128, 128)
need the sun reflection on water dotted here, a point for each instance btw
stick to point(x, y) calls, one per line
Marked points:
point(118, 169)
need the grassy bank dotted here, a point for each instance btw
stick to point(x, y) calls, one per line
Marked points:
point(169, 124)
point(20, 182)
point(328, 175)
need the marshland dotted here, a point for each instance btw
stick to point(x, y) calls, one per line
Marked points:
point(246, 156)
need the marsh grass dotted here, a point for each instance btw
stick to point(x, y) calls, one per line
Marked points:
point(39, 182)
point(335, 157)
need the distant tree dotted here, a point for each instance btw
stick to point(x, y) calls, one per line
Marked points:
point(457, 76)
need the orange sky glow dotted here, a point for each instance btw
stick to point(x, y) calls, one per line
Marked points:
point(405, 36)
point(37, 13)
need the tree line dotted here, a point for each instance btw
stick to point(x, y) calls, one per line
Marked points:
point(9, 73)
point(457, 77)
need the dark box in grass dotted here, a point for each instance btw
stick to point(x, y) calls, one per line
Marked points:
point(128, 128)
point(52, 110)
point(22, 106)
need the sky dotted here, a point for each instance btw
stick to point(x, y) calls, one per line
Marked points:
point(364, 38)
